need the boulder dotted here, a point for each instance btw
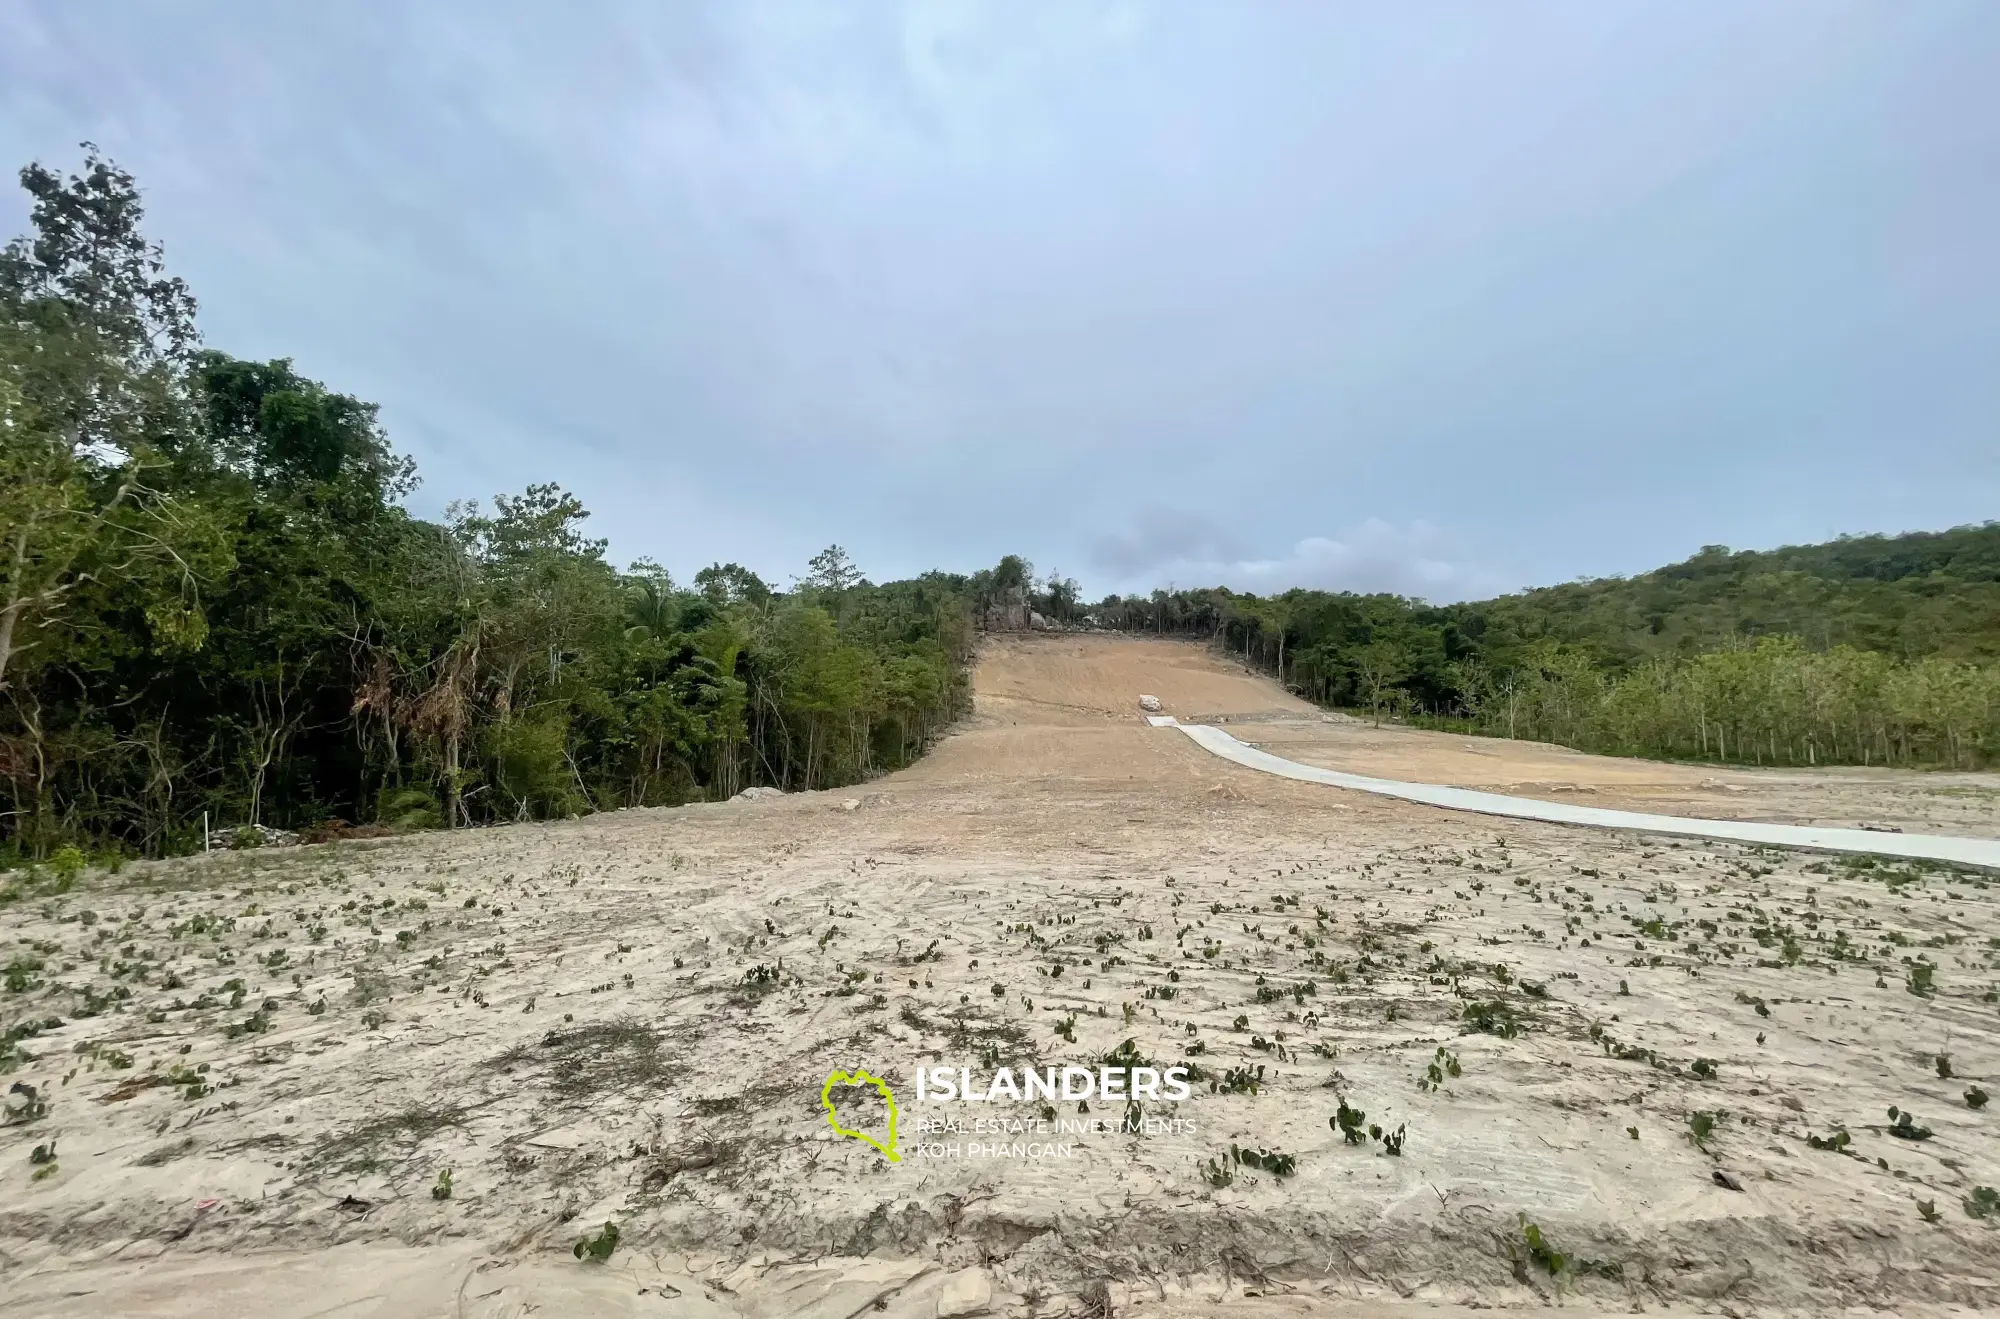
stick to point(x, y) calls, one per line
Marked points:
point(1150, 704)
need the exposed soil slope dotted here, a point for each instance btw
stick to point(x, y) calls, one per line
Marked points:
point(630, 1018)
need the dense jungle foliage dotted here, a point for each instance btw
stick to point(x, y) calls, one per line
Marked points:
point(213, 603)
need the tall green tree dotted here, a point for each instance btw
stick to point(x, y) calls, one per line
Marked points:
point(216, 602)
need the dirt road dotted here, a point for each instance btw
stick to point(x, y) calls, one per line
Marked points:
point(267, 1060)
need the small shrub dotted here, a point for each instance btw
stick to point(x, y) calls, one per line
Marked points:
point(1494, 1018)
point(1443, 1064)
point(189, 1081)
point(24, 1104)
point(1271, 1161)
point(1983, 1203)
point(442, 1191)
point(409, 808)
point(1551, 1260)
point(1975, 1097)
point(1349, 1122)
point(1837, 1142)
point(1701, 1127)
point(599, 1247)
point(1240, 1081)
point(67, 864)
point(1903, 1125)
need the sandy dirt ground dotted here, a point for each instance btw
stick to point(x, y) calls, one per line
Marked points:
point(1664, 1072)
point(1203, 688)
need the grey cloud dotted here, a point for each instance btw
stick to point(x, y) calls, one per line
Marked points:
point(1417, 560)
point(1586, 285)
point(1163, 536)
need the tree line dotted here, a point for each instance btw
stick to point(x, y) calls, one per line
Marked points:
point(1876, 650)
point(214, 604)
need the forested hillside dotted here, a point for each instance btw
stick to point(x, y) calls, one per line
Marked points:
point(1911, 596)
point(213, 602)
point(1867, 650)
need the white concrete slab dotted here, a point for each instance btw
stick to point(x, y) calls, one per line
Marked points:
point(1930, 847)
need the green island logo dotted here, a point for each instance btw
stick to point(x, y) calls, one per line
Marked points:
point(833, 1118)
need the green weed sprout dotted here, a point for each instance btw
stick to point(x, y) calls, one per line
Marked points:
point(599, 1247)
point(1271, 1161)
point(1552, 1261)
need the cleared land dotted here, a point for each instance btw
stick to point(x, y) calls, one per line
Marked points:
point(267, 1059)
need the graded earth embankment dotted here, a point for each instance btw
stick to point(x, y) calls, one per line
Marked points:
point(1647, 1050)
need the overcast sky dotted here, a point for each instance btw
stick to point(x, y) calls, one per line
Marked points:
point(1440, 299)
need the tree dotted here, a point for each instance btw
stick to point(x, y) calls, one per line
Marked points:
point(1059, 596)
point(731, 584)
point(357, 661)
point(1380, 665)
point(89, 259)
point(93, 342)
point(832, 570)
point(649, 601)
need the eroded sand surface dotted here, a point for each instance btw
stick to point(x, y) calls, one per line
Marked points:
point(629, 1019)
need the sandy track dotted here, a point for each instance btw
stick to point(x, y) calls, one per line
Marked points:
point(1894, 845)
point(578, 1027)
point(1093, 679)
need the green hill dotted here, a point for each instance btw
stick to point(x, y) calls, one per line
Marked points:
point(1867, 649)
point(1911, 596)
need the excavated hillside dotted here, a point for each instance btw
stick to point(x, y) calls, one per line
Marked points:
point(416, 1076)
